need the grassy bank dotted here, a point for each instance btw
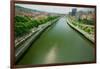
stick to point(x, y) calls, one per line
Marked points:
point(87, 27)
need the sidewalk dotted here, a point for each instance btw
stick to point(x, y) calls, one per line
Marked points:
point(88, 36)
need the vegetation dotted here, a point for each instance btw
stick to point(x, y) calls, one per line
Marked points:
point(23, 24)
point(89, 28)
point(86, 21)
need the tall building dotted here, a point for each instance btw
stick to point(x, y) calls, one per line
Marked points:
point(74, 10)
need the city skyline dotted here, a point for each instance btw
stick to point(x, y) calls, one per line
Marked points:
point(53, 9)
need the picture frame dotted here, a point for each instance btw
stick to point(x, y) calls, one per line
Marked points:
point(13, 48)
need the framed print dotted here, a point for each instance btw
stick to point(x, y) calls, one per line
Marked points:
point(49, 34)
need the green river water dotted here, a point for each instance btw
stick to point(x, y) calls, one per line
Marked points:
point(59, 44)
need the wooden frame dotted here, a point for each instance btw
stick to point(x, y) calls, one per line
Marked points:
point(43, 3)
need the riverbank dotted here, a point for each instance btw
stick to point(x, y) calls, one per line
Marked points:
point(20, 50)
point(58, 44)
point(88, 36)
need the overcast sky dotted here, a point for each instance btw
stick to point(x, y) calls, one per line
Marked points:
point(49, 8)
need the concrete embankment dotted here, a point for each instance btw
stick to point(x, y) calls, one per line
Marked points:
point(85, 34)
point(20, 50)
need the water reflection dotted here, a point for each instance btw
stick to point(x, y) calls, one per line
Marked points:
point(51, 57)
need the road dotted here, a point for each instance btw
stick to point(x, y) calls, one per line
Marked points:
point(59, 44)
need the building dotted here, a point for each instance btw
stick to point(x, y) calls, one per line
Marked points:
point(74, 10)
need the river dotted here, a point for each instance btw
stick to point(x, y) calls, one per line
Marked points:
point(59, 44)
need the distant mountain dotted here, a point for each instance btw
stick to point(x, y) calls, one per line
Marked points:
point(31, 12)
point(25, 9)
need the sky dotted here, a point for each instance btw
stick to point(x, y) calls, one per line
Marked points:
point(52, 9)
